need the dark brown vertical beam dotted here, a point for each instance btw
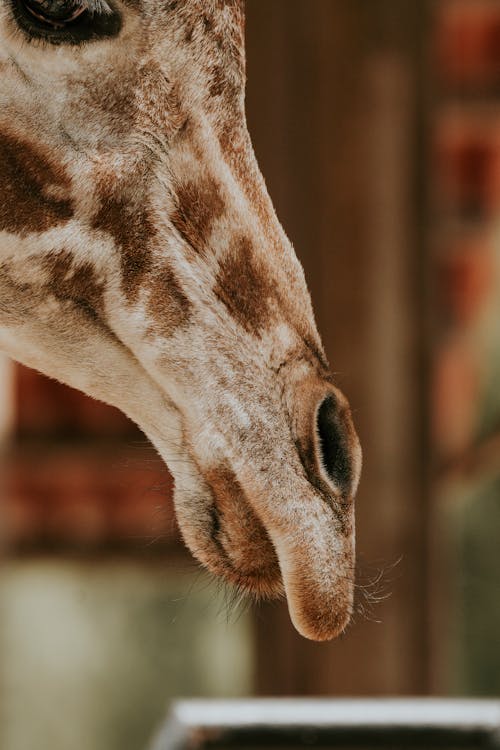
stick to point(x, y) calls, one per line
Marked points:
point(342, 153)
point(6, 420)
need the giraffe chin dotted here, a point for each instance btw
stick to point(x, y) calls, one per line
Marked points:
point(227, 537)
point(258, 584)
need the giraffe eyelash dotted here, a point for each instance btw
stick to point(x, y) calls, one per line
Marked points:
point(99, 7)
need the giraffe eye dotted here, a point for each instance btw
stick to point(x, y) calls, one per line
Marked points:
point(56, 13)
point(67, 21)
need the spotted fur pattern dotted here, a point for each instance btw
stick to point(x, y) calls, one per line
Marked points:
point(141, 261)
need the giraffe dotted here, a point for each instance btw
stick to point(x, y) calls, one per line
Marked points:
point(141, 261)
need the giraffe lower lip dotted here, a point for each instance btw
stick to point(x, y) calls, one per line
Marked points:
point(256, 584)
point(259, 583)
point(263, 581)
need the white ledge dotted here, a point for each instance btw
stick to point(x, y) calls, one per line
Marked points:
point(191, 722)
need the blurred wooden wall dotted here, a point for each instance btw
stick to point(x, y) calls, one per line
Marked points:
point(336, 108)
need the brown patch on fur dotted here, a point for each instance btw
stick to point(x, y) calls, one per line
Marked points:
point(198, 205)
point(208, 22)
point(218, 82)
point(188, 34)
point(26, 178)
point(244, 288)
point(237, 529)
point(221, 85)
point(75, 283)
point(167, 303)
point(129, 223)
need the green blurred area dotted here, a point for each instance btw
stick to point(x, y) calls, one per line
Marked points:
point(91, 653)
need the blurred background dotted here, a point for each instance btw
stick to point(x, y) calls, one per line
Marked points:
point(377, 127)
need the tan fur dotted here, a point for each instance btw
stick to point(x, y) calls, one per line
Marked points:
point(141, 261)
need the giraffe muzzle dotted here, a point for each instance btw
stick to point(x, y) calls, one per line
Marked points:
point(308, 514)
point(280, 518)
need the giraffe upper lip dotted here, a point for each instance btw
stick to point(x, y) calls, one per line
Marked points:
point(315, 553)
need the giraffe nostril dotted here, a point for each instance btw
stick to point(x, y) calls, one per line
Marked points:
point(333, 444)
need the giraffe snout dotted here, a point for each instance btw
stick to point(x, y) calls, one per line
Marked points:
point(275, 513)
point(309, 514)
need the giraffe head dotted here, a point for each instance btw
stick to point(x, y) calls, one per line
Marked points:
point(141, 261)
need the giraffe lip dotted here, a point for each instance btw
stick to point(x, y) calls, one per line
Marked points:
point(306, 553)
point(319, 586)
point(314, 545)
point(259, 584)
point(262, 580)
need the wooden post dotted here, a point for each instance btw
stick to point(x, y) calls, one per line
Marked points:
point(335, 113)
